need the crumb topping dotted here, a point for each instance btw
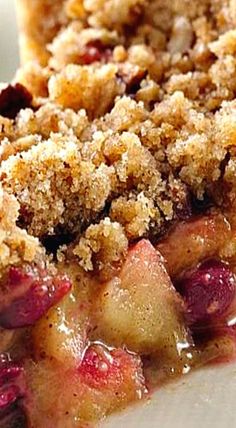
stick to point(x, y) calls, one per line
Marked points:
point(16, 246)
point(133, 115)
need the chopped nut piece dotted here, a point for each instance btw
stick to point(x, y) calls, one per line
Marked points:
point(181, 37)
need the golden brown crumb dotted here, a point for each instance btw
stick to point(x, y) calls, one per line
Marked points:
point(70, 46)
point(138, 114)
point(103, 245)
point(55, 186)
point(100, 87)
point(34, 78)
point(16, 246)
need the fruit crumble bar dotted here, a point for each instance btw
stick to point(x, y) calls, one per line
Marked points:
point(117, 204)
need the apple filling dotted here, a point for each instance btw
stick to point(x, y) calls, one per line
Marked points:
point(83, 348)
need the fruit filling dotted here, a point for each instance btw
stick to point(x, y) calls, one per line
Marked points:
point(28, 294)
point(117, 205)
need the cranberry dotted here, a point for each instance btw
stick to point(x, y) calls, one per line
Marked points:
point(12, 385)
point(28, 294)
point(208, 291)
point(13, 99)
point(113, 370)
point(14, 417)
point(95, 51)
point(9, 373)
point(99, 367)
point(8, 395)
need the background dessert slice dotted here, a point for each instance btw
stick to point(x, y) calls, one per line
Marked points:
point(39, 21)
point(159, 47)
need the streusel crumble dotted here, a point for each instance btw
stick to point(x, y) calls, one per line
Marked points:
point(117, 204)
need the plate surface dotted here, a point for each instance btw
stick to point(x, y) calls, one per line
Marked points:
point(205, 398)
point(8, 40)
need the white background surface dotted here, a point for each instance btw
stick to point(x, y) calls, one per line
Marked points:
point(205, 399)
point(8, 40)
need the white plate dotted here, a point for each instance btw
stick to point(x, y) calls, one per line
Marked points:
point(205, 398)
point(8, 40)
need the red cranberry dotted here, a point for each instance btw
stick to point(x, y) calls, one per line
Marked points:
point(112, 370)
point(12, 385)
point(8, 395)
point(28, 294)
point(95, 51)
point(13, 99)
point(98, 367)
point(208, 291)
point(13, 417)
point(9, 373)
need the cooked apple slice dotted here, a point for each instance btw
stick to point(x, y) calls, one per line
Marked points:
point(68, 398)
point(193, 241)
point(111, 380)
point(62, 332)
point(140, 308)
